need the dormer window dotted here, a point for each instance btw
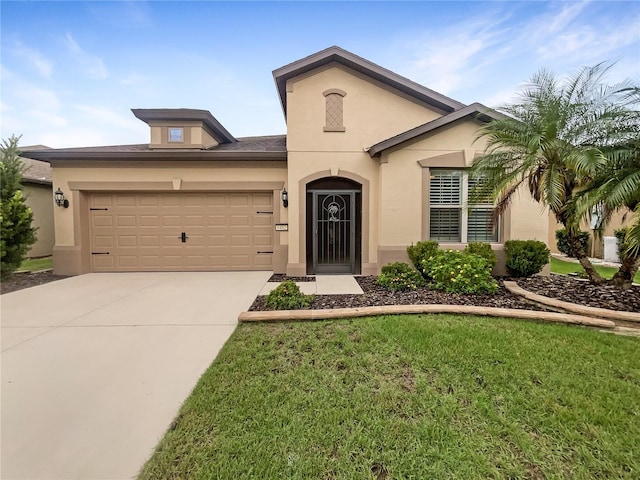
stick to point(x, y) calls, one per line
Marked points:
point(176, 135)
point(334, 110)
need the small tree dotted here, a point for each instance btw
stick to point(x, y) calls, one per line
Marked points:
point(15, 216)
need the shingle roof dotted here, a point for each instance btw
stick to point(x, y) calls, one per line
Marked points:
point(36, 171)
point(271, 147)
point(475, 110)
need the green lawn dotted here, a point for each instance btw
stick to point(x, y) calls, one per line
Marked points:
point(416, 396)
point(564, 268)
point(36, 264)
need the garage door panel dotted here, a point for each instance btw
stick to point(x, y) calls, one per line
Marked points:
point(127, 240)
point(149, 221)
point(126, 221)
point(103, 241)
point(143, 231)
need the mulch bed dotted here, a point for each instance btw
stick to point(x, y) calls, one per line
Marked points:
point(555, 286)
point(18, 281)
point(582, 292)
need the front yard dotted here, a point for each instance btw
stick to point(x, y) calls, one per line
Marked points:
point(411, 397)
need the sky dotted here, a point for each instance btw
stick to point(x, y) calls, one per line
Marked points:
point(70, 72)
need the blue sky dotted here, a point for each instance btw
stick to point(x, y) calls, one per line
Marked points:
point(71, 71)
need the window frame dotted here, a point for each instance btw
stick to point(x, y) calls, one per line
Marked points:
point(463, 206)
point(180, 129)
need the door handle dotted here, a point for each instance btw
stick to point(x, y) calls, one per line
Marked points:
point(183, 237)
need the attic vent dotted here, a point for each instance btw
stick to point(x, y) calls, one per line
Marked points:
point(334, 110)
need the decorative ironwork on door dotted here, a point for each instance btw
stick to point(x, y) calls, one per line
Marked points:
point(334, 231)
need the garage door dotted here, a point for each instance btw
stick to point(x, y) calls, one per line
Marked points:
point(181, 231)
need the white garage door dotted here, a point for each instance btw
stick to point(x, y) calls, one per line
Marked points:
point(181, 231)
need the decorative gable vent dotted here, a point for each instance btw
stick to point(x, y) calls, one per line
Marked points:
point(334, 114)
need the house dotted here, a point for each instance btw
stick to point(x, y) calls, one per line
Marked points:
point(371, 162)
point(36, 187)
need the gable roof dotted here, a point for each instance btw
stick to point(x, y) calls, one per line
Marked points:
point(364, 66)
point(147, 115)
point(475, 110)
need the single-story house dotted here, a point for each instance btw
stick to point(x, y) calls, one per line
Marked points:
point(36, 187)
point(371, 162)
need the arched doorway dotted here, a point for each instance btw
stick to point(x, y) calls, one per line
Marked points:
point(334, 226)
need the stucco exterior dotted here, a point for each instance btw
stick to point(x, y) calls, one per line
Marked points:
point(39, 198)
point(355, 133)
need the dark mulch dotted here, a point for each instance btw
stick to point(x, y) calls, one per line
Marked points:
point(374, 295)
point(561, 287)
point(280, 277)
point(18, 281)
point(582, 292)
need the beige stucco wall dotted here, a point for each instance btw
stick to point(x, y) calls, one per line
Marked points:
point(77, 182)
point(372, 113)
point(40, 199)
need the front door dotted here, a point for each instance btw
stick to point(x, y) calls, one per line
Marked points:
point(334, 231)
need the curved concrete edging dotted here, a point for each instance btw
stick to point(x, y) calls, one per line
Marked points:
point(284, 315)
point(514, 288)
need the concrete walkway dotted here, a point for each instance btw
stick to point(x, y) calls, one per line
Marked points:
point(95, 367)
point(324, 285)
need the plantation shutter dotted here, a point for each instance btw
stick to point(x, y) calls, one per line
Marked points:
point(445, 201)
point(480, 228)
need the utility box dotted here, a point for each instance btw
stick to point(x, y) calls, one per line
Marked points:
point(611, 249)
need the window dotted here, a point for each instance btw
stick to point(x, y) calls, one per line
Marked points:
point(334, 110)
point(176, 135)
point(451, 218)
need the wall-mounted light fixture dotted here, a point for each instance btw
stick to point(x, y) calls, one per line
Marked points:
point(285, 198)
point(60, 200)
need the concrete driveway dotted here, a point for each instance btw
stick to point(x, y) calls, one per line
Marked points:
point(95, 367)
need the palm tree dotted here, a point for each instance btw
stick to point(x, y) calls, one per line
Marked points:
point(617, 187)
point(550, 143)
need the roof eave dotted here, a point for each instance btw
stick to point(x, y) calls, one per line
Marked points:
point(475, 110)
point(185, 114)
point(362, 65)
point(181, 156)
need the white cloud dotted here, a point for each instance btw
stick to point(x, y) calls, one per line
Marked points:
point(92, 65)
point(33, 57)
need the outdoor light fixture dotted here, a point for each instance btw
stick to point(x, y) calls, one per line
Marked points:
point(285, 198)
point(60, 200)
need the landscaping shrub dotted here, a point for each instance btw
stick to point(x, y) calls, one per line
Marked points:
point(400, 276)
point(563, 243)
point(460, 272)
point(484, 250)
point(525, 257)
point(287, 296)
point(420, 251)
point(621, 235)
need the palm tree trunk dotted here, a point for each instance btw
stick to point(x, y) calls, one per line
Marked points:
point(578, 250)
point(624, 276)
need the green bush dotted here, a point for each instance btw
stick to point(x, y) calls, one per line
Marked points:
point(623, 246)
point(459, 272)
point(400, 276)
point(563, 243)
point(17, 232)
point(287, 296)
point(420, 251)
point(484, 250)
point(525, 257)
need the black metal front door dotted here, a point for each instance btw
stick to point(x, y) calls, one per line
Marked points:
point(334, 231)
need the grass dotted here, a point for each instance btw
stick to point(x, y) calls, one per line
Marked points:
point(36, 264)
point(413, 396)
point(564, 268)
